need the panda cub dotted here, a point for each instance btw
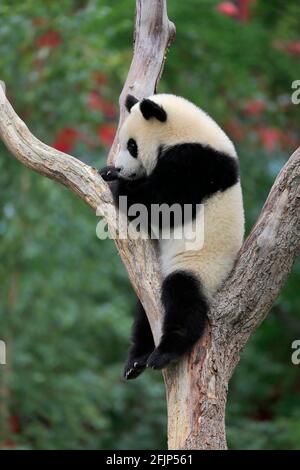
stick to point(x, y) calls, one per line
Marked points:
point(171, 152)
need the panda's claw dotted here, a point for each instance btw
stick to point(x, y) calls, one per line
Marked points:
point(109, 173)
point(135, 367)
point(128, 373)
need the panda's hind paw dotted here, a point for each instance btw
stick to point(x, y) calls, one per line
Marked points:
point(135, 366)
point(160, 359)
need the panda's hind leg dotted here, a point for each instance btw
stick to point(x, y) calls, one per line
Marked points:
point(142, 344)
point(185, 318)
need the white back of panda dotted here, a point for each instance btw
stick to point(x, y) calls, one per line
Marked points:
point(223, 236)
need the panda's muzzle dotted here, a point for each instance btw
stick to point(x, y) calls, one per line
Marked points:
point(125, 174)
point(129, 167)
point(131, 173)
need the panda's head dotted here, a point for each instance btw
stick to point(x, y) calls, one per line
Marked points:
point(159, 122)
point(139, 138)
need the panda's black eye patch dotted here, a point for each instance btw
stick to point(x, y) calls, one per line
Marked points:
point(132, 148)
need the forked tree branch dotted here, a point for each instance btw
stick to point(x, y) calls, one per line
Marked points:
point(197, 386)
point(265, 259)
point(153, 35)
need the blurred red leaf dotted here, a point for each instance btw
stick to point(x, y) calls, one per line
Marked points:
point(293, 47)
point(9, 444)
point(270, 137)
point(97, 102)
point(66, 139)
point(241, 11)
point(288, 141)
point(254, 107)
point(235, 130)
point(263, 414)
point(228, 9)
point(50, 38)
point(39, 21)
point(107, 134)
point(15, 425)
point(245, 9)
point(100, 78)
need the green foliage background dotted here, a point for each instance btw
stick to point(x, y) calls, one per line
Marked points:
point(65, 308)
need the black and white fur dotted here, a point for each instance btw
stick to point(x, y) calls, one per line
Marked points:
point(173, 152)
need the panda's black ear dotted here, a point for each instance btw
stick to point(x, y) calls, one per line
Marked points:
point(130, 101)
point(150, 109)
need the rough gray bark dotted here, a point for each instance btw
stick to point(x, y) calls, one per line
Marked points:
point(196, 387)
point(261, 269)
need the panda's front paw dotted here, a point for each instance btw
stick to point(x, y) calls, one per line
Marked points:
point(135, 366)
point(160, 359)
point(109, 173)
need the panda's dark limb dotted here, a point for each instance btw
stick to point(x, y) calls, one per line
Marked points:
point(185, 318)
point(109, 173)
point(119, 187)
point(142, 345)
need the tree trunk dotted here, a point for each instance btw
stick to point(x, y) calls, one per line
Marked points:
point(196, 397)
